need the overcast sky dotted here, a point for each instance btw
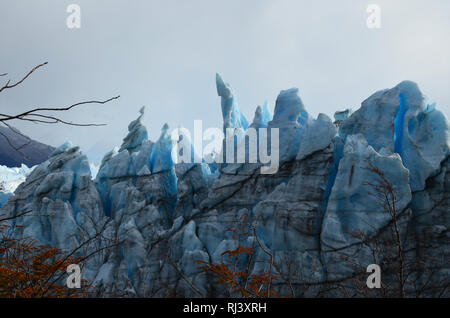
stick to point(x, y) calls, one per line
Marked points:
point(164, 54)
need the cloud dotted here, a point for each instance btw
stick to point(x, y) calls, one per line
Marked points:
point(164, 54)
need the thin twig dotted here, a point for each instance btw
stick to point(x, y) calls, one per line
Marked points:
point(6, 86)
point(53, 120)
point(14, 216)
point(183, 276)
point(271, 261)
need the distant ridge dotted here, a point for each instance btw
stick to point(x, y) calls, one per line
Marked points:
point(32, 154)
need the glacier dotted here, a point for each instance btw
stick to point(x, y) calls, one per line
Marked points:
point(317, 215)
point(10, 179)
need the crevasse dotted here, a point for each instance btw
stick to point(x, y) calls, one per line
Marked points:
point(399, 122)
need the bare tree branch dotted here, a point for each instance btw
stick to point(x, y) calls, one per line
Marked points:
point(15, 216)
point(20, 134)
point(40, 115)
point(52, 119)
point(73, 252)
point(6, 86)
point(271, 260)
point(10, 143)
point(191, 285)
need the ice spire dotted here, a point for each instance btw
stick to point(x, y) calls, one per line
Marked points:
point(262, 117)
point(137, 134)
point(162, 157)
point(232, 116)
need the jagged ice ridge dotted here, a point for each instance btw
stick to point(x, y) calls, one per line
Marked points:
point(168, 216)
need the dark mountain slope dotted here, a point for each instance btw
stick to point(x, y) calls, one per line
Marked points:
point(32, 154)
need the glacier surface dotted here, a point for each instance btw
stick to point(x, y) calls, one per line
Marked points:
point(317, 215)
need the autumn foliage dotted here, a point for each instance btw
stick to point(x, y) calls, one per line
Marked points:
point(233, 272)
point(29, 270)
